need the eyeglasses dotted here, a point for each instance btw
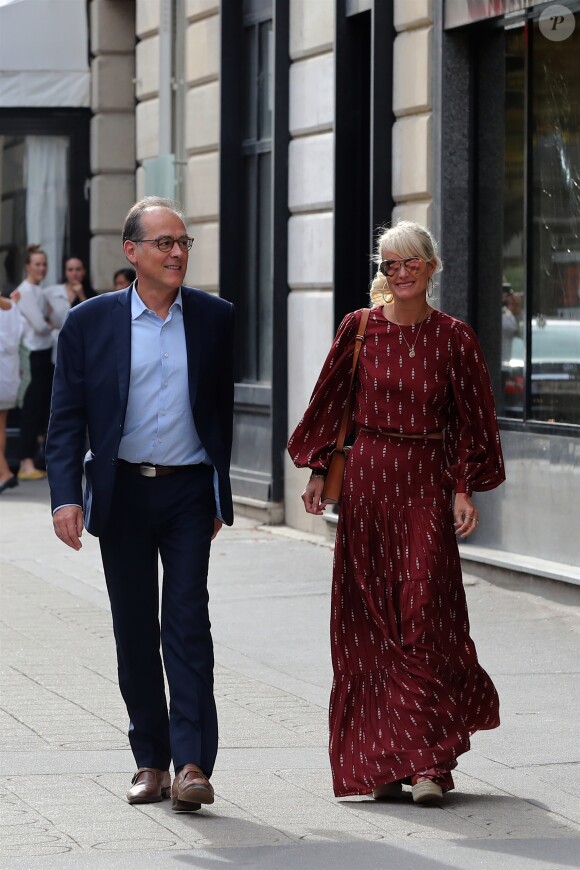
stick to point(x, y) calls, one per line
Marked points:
point(166, 243)
point(413, 265)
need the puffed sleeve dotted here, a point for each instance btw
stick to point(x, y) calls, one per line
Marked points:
point(472, 442)
point(314, 438)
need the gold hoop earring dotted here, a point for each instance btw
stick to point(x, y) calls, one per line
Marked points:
point(383, 291)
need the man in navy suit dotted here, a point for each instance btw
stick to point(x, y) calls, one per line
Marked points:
point(148, 373)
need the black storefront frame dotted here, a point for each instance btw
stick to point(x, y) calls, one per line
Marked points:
point(265, 403)
point(75, 124)
point(363, 126)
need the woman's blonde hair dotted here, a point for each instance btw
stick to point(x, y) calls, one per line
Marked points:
point(408, 239)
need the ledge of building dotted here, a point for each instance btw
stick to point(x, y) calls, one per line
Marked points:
point(266, 512)
point(529, 565)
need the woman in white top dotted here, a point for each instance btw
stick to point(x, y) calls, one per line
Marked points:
point(62, 297)
point(10, 334)
point(37, 339)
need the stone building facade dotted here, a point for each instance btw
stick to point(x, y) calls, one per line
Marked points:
point(289, 130)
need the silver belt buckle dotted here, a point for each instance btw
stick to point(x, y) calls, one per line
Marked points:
point(147, 471)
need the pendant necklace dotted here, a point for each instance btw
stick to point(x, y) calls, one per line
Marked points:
point(410, 347)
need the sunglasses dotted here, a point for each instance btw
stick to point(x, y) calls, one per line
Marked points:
point(413, 265)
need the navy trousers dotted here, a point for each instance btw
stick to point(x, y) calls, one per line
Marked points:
point(169, 517)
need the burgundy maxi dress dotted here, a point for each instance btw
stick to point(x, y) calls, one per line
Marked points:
point(408, 689)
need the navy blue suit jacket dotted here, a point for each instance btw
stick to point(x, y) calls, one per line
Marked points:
point(91, 388)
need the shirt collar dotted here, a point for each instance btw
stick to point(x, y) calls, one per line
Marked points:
point(138, 306)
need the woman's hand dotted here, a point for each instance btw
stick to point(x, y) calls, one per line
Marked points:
point(312, 496)
point(466, 515)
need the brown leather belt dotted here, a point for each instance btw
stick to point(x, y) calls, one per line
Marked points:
point(432, 436)
point(145, 469)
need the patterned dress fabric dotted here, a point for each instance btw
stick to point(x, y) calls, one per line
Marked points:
point(408, 690)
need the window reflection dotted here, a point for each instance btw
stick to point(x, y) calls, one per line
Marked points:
point(513, 248)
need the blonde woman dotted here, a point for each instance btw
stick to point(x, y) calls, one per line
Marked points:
point(408, 690)
point(37, 341)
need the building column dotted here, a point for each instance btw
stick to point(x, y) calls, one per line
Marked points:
point(310, 228)
point(413, 168)
point(112, 27)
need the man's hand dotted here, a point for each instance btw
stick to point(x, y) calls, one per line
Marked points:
point(68, 525)
point(217, 524)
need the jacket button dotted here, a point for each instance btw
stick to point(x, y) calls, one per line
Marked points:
point(113, 461)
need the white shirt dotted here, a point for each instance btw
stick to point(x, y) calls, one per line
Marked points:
point(10, 333)
point(33, 307)
point(159, 425)
point(58, 300)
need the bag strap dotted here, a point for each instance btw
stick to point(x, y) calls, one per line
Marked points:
point(360, 335)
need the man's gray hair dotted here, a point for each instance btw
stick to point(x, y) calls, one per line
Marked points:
point(132, 229)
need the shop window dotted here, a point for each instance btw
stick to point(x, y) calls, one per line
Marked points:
point(253, 227)
point(541, 227)
point(257, 207)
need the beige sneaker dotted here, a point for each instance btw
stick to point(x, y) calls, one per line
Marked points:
point(388, 791)
point(426, 791)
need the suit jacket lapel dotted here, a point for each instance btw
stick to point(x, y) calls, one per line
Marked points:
point(122, 334)
point(192, 326)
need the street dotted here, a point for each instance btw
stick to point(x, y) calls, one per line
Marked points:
point(66, 766)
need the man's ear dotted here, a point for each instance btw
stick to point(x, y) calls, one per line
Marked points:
point(130, 249)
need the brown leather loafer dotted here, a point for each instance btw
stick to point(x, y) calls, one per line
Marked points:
point(149, 785)
point(191, 788)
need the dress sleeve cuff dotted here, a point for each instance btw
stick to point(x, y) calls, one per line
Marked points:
point(463, 487)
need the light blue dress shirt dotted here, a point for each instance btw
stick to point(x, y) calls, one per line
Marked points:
point(159, 425)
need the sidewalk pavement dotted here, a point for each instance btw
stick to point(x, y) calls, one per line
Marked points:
point(65, 764)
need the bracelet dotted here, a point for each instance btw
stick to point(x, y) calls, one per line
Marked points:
point(317, 474)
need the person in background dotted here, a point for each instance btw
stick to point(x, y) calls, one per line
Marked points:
point(123, 278)
point(63, 297)
point(10, 270)
point(408, 689)
point(10, 334)
point(509, 323)
point(37, 340)
point(75, 282)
